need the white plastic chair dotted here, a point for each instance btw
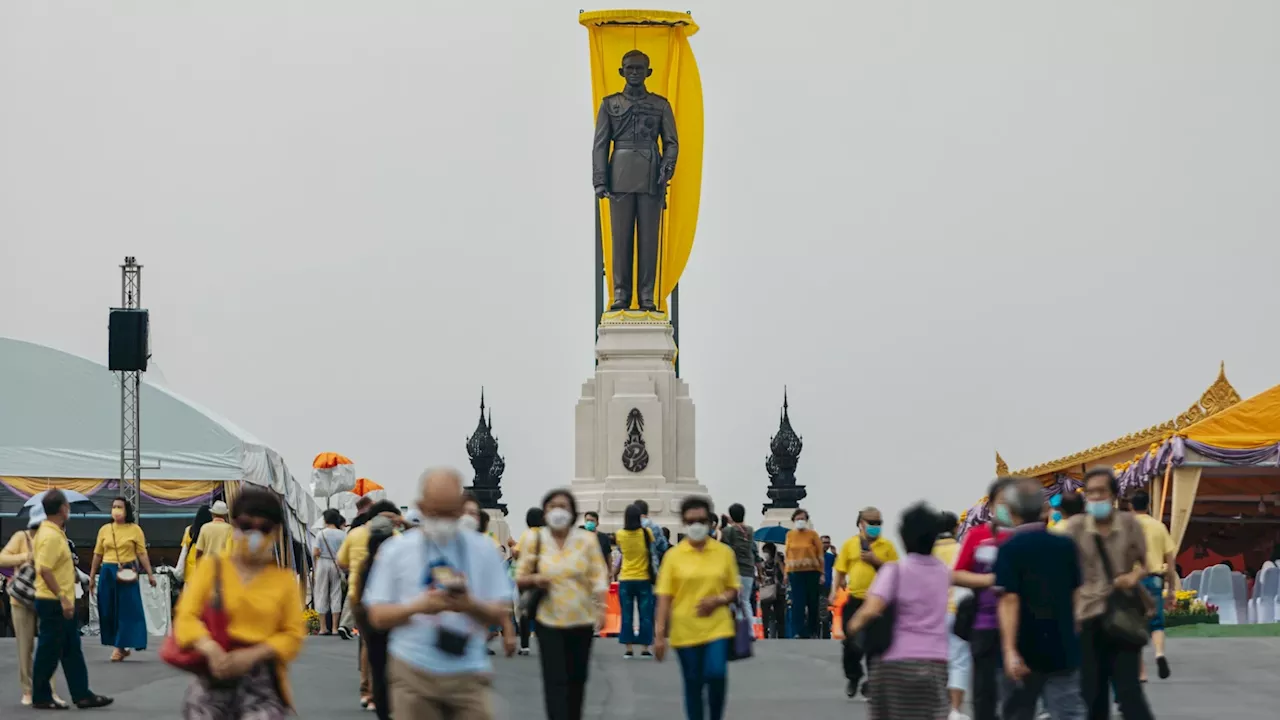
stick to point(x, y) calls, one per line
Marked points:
point(1240, 593)
point(1216, 589)
point(1265, 590)
point(1192, 581)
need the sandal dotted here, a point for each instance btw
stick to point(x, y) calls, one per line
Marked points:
point(117, 656)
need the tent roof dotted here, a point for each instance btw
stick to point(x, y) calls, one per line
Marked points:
point(61, 419)
point(1220, 396)
point(1249, 424)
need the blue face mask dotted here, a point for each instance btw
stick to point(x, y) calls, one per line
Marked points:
point(873, 531)
point(1100, 510)
point(1057, 516)
point(1002, 516)
point(589, 526)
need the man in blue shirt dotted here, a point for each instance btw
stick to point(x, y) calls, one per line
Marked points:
point(438, 590)
point(1037, 576)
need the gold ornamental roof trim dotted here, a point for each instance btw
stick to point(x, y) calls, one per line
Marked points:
point(1220, 396)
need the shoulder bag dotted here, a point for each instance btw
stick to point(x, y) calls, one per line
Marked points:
point(217, 622)
point(22, 588)
point(877, 636)
point(645, 534)
point(1125, 619)
point(125, 574)
point(966, 614)
point(531, 598)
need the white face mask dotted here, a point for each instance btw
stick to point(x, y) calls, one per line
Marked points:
point(469, 522)
point(439, 530)
point(559, 518)
point(802, 524)
point(697, 532)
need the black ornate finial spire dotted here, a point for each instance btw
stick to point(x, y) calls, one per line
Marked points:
point(781, 464)
point(482, 448)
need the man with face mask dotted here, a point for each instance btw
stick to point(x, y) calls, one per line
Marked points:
point(437, 589)
point(1104, 661)
point(860, 558)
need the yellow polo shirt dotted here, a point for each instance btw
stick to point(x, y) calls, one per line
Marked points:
point(1159, 543)
point(52, 553)
point(690, 574)
point(859, 574)
point(214, 537)
point(352, 556)
point(120, 544)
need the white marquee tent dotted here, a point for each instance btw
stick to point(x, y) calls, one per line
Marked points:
point(60, 418)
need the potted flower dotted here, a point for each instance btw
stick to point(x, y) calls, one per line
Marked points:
point(312, 619)
point(1191, 610)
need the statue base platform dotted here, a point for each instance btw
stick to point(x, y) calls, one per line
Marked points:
point(778, 516)
point(618, 460)
point(499, 528)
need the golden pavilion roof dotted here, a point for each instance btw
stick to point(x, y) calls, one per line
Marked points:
point(1220, 396)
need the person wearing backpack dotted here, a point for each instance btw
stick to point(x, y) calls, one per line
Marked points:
point(18, 554)
point(741, 539)
point(635, 583)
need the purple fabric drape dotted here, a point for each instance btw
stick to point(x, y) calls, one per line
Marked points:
point(1231, 456)
point(113, 486)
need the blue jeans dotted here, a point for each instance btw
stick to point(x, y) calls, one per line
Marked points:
point(805, 621)
point(744, 595)
point(58, 642)
point(630, 594)
point(705, 666)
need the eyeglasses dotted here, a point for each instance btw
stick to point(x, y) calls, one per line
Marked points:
point(249, 524)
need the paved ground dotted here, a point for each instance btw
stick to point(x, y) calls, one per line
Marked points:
point(1223, 678)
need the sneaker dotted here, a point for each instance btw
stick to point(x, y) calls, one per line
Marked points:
point(522, 652)
point(957, 715)
point(344, 633)
point(646, 654)
point(850, 690)
point(628, 655)
point(866, 690)
point(1162, 667)
point(93, 701)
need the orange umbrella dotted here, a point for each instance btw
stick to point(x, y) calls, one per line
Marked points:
point(327, 460)
point(364, 486)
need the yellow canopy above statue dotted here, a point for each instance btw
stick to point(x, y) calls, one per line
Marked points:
point(664, 37)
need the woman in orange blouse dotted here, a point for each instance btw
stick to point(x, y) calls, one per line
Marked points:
point(804, 576)
point(264, 609)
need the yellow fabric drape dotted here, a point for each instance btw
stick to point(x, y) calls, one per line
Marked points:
point(664, 37)
point(179, 489)
point(1186, 481)
point(163, 489)
point(1249, 423)
point(33, 486)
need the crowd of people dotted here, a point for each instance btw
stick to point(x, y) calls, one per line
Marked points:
point(1042, 612)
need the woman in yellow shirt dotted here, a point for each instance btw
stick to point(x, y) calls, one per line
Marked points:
point(635, 582)
point(190, 536)
point(566, 563)
point(123, 546)
point(264, 611)
point(697, 586)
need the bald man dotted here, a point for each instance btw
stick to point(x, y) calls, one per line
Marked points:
point(438, 589)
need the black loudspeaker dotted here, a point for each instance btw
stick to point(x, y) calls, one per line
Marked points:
point(128, 344)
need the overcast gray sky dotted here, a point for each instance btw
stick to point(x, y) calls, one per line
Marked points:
point(949, 228)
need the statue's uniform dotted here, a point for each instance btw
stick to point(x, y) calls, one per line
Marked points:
point(633, 125)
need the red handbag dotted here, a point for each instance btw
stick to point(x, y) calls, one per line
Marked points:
point(215, 619)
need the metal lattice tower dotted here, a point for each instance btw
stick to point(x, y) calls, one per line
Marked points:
point(130, 394)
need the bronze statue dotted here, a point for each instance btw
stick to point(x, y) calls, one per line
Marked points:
point(634, 177)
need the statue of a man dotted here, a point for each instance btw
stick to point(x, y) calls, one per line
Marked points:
point(634, 177)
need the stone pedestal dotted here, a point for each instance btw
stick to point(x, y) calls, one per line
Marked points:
point(635, 379)
point(778, 516)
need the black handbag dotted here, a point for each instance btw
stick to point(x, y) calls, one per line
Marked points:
point(877, 636)
point(531, 598)
point(1125, 619)
point(966, 614)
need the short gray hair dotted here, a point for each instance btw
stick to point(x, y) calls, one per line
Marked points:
point(431, 472)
